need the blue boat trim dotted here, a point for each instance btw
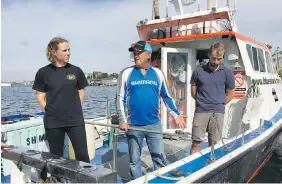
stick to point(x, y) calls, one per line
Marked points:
point(40, 113)
point(6, 179)
point(201, 162)
point(16, 117)
point(20, 117)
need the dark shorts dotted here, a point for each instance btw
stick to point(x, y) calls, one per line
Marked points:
point(207, 122)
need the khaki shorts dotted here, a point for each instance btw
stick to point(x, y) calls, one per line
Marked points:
point(207, 122)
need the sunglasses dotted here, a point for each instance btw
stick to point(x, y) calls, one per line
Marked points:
point(137, 52)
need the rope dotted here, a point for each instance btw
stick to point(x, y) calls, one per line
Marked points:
point(208, 159)
point(225, 147)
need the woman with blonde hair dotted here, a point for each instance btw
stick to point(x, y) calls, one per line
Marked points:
point(60, 93)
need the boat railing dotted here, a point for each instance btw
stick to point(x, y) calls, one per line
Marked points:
point(116, 134)
point(173, 135)
point(110, 113)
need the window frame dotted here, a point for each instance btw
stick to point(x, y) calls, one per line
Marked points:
point(261, 60)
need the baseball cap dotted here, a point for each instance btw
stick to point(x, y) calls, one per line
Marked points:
point(141, 46)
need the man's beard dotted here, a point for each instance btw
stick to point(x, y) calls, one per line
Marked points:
point(214, 65)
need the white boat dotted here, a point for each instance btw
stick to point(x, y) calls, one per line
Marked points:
point(6, 84)
point(252, 119)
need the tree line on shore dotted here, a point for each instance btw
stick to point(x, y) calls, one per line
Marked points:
point(101, 75)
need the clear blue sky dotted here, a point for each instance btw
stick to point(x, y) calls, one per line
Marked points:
point(101, 31)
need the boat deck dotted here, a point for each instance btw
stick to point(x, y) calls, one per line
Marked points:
point(174, 150)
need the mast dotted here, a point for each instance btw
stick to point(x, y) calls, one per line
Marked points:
point(156, 9)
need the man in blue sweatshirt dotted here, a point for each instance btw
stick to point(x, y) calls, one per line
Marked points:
point(139, 89)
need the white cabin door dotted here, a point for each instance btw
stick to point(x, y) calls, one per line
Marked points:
point(176, 66)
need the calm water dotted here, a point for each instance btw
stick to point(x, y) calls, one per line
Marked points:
point(22, 99)
point(16, 100)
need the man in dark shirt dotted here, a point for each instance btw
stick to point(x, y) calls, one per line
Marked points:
point(212, 86)
point(60, 92)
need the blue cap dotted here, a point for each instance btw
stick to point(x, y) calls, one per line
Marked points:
point(141, 46)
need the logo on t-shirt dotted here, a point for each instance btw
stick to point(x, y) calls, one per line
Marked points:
point(141, 82)
point(71, 77)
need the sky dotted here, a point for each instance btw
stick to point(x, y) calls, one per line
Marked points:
point(100, 32)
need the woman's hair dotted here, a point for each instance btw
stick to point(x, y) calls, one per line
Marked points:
point(53, 46)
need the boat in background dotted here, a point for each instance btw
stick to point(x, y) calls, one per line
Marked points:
point(5, 84)
point(181, 43)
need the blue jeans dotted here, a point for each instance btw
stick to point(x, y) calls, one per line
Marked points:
point(155, 144)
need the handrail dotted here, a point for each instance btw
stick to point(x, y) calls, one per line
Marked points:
point(115, 138)
point(134, 128)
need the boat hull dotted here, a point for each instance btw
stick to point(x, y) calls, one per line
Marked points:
point(245, 166)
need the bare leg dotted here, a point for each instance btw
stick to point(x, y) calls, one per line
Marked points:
point(195, 147)
point(200, 123)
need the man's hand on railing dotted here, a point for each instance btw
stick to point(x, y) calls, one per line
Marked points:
point(123, 126)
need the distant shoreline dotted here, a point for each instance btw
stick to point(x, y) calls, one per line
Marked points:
point(92, 82)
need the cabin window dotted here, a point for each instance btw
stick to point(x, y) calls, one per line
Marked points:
point(249, 50)
point(268, 64)
point(255, 57)
point(261, 60)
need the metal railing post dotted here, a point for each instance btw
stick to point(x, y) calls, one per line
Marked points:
point(260, 124)
point(212, 152)
point(107, 112)
point(243, 134)
point(115, 141)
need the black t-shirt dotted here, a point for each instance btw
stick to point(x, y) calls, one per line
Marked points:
point(61, 84)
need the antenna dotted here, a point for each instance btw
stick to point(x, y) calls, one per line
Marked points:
point(227, 3)
point(166, 8)
point(233, 14)
point(153, 11)
point(199, 8)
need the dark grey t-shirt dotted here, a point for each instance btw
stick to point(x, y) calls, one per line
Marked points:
point(61, 85)
point(211, 88)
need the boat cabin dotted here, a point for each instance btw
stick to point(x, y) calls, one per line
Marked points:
point(182, 42)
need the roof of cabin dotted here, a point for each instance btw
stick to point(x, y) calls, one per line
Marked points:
point(203, 36)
